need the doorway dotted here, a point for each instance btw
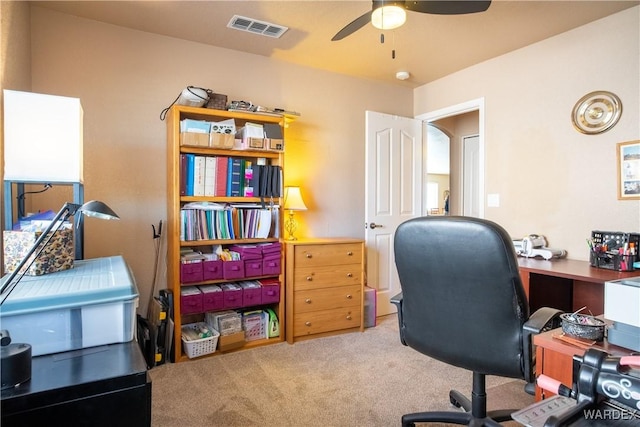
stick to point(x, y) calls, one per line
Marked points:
point(460, 122)
point(437, 170)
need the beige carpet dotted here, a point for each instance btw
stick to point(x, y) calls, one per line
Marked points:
point(367, 379)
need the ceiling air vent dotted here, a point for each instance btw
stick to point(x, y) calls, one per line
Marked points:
point(250, 25)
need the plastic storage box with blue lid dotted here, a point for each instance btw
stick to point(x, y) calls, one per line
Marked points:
point(92, 304)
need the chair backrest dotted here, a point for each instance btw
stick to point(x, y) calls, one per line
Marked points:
point(463, 300)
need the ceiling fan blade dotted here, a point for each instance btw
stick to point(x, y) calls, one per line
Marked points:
point(444, 7)
point(353, 26)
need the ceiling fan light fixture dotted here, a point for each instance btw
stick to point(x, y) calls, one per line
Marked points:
point(388, 17)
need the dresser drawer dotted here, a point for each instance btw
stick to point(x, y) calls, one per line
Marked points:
point(316, 322)
point(324, 287)
point(334, 254)
point(326, 277)
point(327, 298)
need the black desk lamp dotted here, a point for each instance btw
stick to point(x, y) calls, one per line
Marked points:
point(16, 358)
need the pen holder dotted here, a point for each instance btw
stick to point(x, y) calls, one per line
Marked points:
point(612, 250)
point(612, 261)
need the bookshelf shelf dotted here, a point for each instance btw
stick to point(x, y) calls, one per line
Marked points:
point(187, 243)
point(176, 200)
point(232, 153)
point(225, 199)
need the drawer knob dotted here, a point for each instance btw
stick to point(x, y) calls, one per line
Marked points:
point(349, 274)
point(350, 253)
point(308, 301)
point(307, 323)
point(349, 296)
point(309, 255)
point(349, 317)
point(309, 278)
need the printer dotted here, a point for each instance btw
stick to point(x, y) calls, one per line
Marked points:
point(622, 306)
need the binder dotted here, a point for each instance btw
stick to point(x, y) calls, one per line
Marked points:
point(221, 176)
point(210, 177)
point(199, 170)
point(234, 177)
point(268, 184)
point(183, 174)
point(190, 171)
point(275, 181)
point(247, 190)
point(256, 180)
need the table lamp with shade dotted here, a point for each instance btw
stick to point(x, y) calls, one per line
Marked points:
point(16, 358)
point(292, 202)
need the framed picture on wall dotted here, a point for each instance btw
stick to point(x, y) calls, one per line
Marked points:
point(628, 170)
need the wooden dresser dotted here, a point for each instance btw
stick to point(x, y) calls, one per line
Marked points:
point(324, 287)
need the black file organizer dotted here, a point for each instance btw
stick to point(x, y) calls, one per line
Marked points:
point(610, 258)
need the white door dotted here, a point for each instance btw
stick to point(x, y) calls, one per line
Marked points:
point(393, 186)
point(470, 175)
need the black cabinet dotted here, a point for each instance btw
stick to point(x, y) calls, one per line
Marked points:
point(99, 386)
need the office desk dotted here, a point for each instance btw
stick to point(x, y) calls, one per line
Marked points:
point(554, 358)
point(566, 284)
point(96, 386)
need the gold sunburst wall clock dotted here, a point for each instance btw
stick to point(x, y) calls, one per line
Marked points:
point(596, 112)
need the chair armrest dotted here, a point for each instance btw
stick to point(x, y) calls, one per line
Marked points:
point(543, 318)
point(397, 301)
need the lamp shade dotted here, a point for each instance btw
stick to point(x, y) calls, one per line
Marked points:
point(293, 199)
point(388, 17)
point(42, 138)
point(98, 209)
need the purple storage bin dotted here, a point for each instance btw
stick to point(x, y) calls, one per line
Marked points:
point(253, 268)
point(212, 270)
point(232, 295)
point(190, 300)
point(272, 264)
point(212, 297)
point(247, 251)
point(270, 248)
point(270, 291)
point(191, 272)
point(233, 270)
point(251, 293)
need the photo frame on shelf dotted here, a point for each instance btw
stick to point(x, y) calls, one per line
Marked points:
point(628, 156)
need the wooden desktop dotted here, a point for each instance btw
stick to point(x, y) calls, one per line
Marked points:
point(566, 284)
point(554, 358)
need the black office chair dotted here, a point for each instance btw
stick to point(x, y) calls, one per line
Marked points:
point(463, 303)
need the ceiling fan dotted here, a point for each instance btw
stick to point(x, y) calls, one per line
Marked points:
point(388, 15)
